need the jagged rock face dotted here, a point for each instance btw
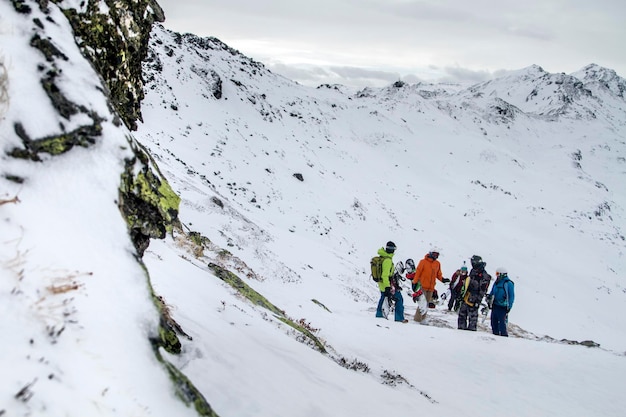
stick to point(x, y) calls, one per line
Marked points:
point(116, 43)
point(113, 36)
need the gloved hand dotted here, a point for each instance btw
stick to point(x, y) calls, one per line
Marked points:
point(445, 280)
point(489, 299)
point(415, 297)
point(387, 291)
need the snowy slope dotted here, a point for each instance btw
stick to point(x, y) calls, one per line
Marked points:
point(532, 186)
point(542, 197)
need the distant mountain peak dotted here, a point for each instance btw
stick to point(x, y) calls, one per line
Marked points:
point(605, 78)
point(532, 71)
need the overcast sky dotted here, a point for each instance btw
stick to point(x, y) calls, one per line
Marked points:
point(376, 42)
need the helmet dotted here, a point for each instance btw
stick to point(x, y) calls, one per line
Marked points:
point(464, 268)
point(433, 252)
point(501, 271)
point(475, 260)
point(391, 247)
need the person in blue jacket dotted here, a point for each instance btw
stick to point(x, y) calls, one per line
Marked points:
point(501, 300)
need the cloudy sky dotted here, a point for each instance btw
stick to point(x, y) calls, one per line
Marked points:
point(375, 42)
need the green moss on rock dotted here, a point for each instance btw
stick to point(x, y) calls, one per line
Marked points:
point(256, 298)
point(83, 136)
point(116, 43)
point(147, 201)
point(305, 332)
point(199, 243)
point(245, 290)
point(198, 239)
point(169, 340)
point(321, 305)
point(186, 391)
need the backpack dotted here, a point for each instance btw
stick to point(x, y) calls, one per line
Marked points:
point(376, 264)
point(465, 293)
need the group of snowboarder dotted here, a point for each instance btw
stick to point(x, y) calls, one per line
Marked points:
point(467, 289)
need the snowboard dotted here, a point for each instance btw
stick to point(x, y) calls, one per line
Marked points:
point(422, 304)
point(484, 311)
point(443, 297)
point(387, 307)
point(409, 265)
point(485, 307)
point(422, 307)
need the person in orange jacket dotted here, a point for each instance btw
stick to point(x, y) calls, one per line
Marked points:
point(427, 273)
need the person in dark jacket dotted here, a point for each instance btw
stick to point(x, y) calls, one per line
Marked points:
point(501, 300)
point(475, 289)
point(456, 284)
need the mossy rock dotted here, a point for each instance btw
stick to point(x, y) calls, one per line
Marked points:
point(83, 136)
point(321, 305)
point(245, 290)
point(185, 389)
point(256, 298)
point(147, 201)
point(168, 338)
point(116, 43)
point(307, 333)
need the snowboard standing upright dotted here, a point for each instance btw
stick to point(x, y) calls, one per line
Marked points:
point(420, 298)
point(422, 307)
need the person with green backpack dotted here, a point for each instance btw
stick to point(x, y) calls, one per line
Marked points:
point(386, 271)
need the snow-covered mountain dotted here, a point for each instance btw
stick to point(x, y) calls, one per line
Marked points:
point(252, 296)
point(541, 151)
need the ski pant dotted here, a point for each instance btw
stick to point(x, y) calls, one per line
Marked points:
point(379, 309)
point(455, 298)
point(468, 317)
point(399, 305)
point(399, 313)
point(499, 321)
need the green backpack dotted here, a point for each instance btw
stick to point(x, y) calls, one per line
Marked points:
point(377, 268)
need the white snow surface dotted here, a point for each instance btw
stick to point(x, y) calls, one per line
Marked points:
point(527, 172)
